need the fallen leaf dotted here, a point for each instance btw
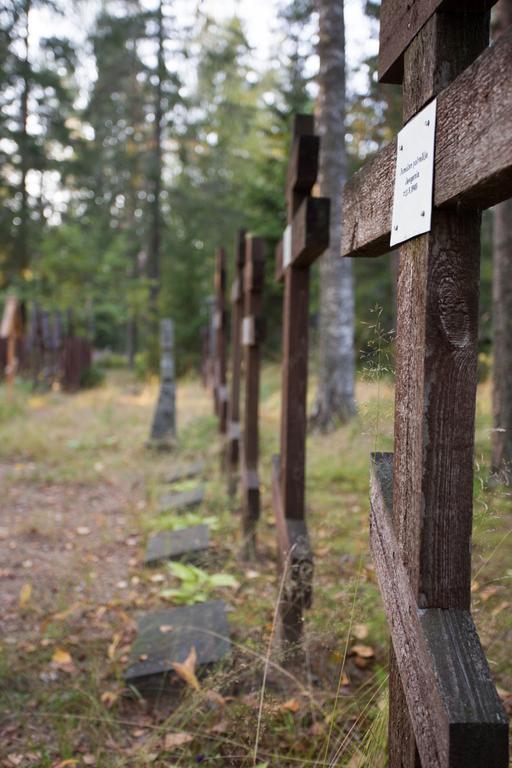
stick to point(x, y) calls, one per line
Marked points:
point(221, 727)
point(82, 530)
point(89, 759)
point(216, 698)
point(109, 698)
point(360, 631)
point(62, 660)
point(25, 595)
point(173, 740)
point(15, 759)
point(157, 578)
point(112, 648)
point(187, 670)
point(66, 763)
point(364, 651)
point(292, 705)
point(165, 628)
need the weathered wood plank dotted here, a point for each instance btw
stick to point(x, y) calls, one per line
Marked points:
point(457, 717)
point(473, 165)
point(185, 543)
point(400, 22)
point(254, 274)
point(221, 391)
point(295, 558)
point(184, 500)
point(233, 437)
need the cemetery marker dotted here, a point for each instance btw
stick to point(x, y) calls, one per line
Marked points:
point(306, 237)
point(252, 336)
point(234, 432)
point(163, 431)
point(185, 543)
point(220, 326)
point(174, 502)
point(444, 710)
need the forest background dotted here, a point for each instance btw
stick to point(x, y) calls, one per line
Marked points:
point(130, 152)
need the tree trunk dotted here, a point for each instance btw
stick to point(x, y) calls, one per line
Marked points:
point(156, 180)
point(502, 315)
point(22, 249)
point(335, 395)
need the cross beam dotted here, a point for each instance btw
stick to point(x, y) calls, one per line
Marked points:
point(435, 392)
point(457, 716)
point(233, 439)
point(401, 22)
point(252, 336)
point(306, 237)
point(220, 321)
point(473, 161)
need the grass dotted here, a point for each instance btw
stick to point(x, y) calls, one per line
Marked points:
point(81, 495)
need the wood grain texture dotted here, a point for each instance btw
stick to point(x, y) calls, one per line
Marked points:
point(310, 231)
point(473, 164)
point(400, 22)
point(254, 273)
point(295, 558)
point(457, 717)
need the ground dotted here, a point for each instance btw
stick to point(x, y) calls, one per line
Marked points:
point(80, 493)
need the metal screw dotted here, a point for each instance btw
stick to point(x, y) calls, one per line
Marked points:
point(427, 122)
point(396, 227)
point(401, 147)
point(423, 213)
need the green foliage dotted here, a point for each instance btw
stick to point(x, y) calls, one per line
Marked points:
point(94, 376)
point(196, 585)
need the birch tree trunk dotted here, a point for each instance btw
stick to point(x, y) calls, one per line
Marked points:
point(502, 315)
point(335, 394)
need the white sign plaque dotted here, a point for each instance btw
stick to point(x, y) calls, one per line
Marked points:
point(414, 176)
point(248, 331)
point(287, 246)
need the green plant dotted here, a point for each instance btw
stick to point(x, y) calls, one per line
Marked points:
point(92, 377)
point(196, 585)
point(175, 522)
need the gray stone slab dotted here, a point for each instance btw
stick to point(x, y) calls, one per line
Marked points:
point(177, 545)
point(185, 472)
point(184, 500)
point(167, 636)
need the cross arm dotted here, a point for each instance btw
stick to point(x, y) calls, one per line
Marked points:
point(473, 163)
point(457, 717)
point(401, 20)
point(306, 237)
point(303, 164)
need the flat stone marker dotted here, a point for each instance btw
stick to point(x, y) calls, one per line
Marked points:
point(177, 545)
point(167, 636)
point(184, 500)
point(185, 472)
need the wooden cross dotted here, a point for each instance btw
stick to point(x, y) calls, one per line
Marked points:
point(305, 238)
point(220, 321)
point(252, 336)
point(233, 440)
point(444, 710)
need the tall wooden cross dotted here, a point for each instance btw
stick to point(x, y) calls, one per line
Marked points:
point(305, 238)
point(220, 320)
point(233, 438)
point(444, 710)
point(252, 336)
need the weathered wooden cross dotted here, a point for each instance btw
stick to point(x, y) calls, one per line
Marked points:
point(444, 710)
point(305, 238)
point(220, 321)
point(233, 438)
point(252, 336)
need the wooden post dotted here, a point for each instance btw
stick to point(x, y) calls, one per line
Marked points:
point(220, 320)
point(234, 433)
point(306, 237)
point(444, 710)
point(252, 336)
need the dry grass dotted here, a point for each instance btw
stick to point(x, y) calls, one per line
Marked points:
point(80, 493)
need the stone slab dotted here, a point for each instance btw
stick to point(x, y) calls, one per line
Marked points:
point(185, 500)
point(185, 472)
point(167, 636)
point(177, 545)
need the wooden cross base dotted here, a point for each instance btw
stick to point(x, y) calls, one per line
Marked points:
point(295, 566)
point(457, 717)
